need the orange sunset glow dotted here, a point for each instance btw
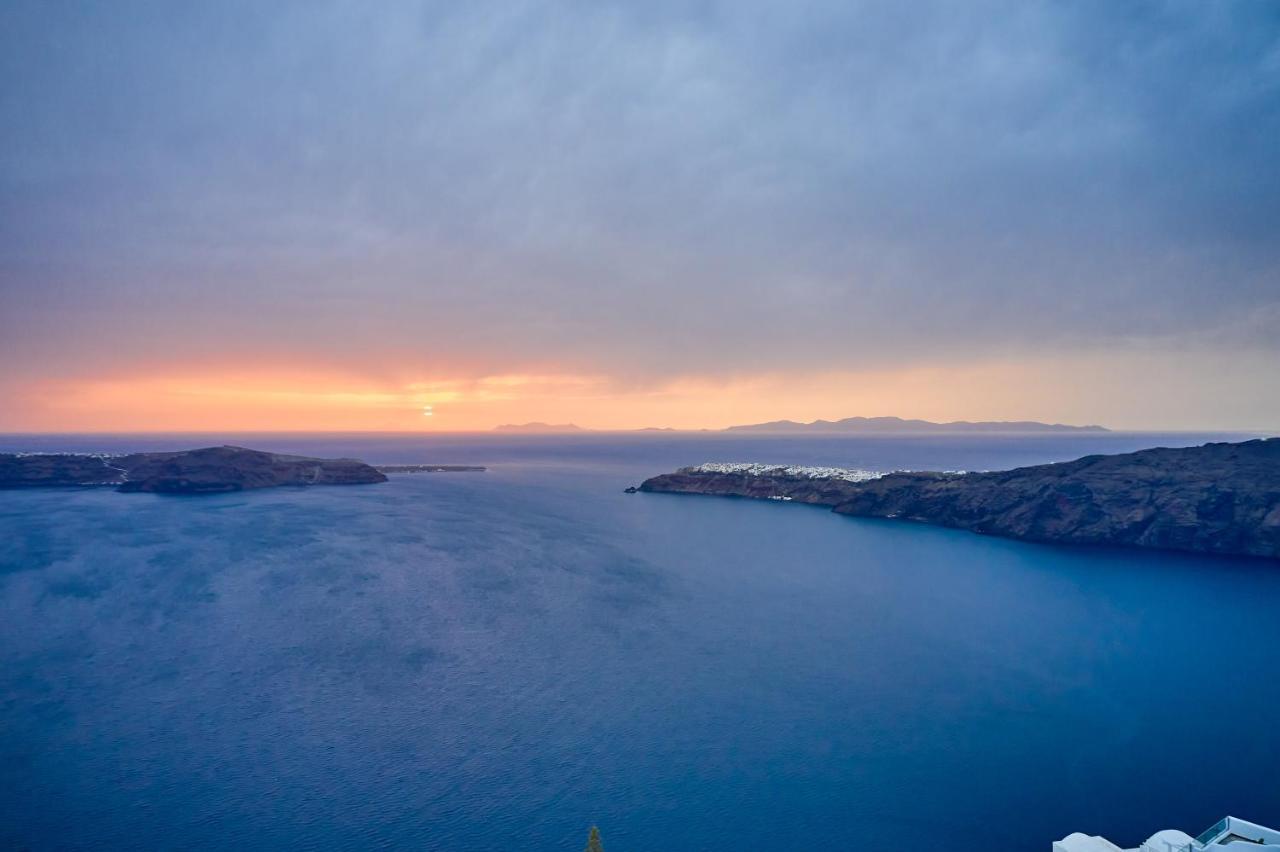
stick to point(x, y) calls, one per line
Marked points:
point(535, 216)
point(294, 399)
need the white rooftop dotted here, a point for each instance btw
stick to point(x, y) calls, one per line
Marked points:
point(1232, 833)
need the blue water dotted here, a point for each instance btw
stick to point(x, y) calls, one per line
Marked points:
point(497, 661)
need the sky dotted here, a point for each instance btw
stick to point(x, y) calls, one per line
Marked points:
point(332, 215)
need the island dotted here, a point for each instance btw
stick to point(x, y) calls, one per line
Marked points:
point(539, 428)
point(209, 470)
point(845, 426)
point(897, 425)
point(1221, 498)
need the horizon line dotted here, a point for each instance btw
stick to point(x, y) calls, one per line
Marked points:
point(630, 430)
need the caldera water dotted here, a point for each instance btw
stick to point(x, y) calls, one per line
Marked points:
point(499, 660)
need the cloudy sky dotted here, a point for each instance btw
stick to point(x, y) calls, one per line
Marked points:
point(332, 214)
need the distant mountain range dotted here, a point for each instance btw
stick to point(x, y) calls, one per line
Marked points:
point(538, 428)
point(847, 426)
point(877, 425)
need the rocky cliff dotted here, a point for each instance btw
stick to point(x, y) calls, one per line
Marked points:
point(204, 471)
point(1217, 498)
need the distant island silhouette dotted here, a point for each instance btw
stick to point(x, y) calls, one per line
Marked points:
point(898, 424)
point(849, 425)
point(539, 428)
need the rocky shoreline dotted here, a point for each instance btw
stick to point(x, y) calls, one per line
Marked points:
point(1219, 498)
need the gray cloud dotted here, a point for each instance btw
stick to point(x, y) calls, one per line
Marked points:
point(644, 188)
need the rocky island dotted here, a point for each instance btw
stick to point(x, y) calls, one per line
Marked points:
point(539, 428)
point(210, 470)
point(1217, 498)
point(899, 426)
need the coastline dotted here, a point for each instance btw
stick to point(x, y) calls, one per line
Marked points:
point(1219, 498)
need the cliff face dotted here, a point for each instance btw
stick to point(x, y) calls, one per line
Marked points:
point(204, 471)
point(1218, 498)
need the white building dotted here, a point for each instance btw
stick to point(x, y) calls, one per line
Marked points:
point(1236, 834)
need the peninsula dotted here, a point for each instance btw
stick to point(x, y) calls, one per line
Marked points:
point(210, 470)
point(1217, 498)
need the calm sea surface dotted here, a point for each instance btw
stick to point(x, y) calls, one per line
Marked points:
point(497, 661)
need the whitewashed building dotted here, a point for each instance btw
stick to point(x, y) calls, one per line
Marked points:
point(1231, 832)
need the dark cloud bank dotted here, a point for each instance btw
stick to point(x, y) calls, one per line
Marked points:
point(652, 188)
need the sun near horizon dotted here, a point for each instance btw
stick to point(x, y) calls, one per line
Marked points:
point(1119, 395)
point(624, 217)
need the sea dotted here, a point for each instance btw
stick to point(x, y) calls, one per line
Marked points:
point(501, 660)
